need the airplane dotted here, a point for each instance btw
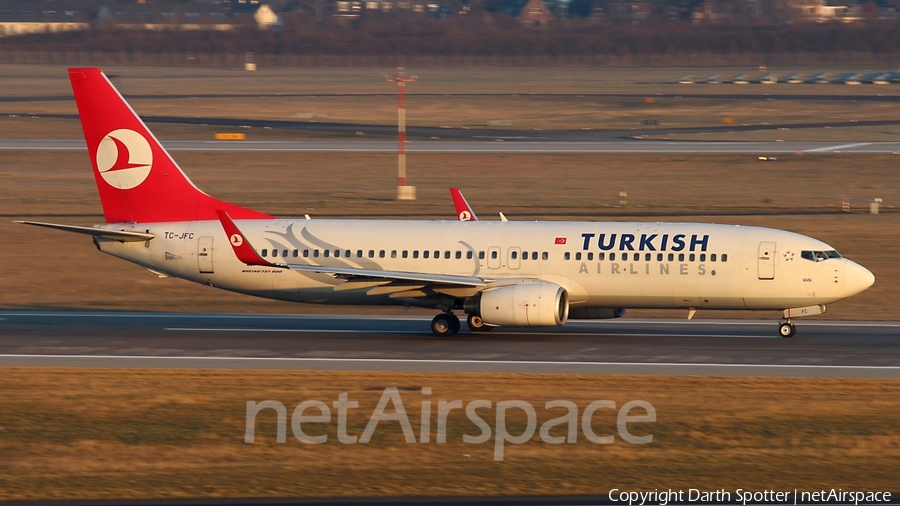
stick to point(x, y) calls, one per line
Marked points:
point(873, 78)
point(739, 79)
point(793, 78)
point(518, 273)
point(463, 210)
point(767, 78)
point(686, 79)
point(711, 79)
point(846, 78)
point(817, 78)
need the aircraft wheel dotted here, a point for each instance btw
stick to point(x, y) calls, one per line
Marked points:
point(787, 330)
point(445, 325)
point(476, 324)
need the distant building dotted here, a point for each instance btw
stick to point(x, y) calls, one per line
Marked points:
point(19, 18)
point(820, 12)
point(535, 14)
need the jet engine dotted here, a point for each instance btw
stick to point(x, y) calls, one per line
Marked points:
point(596, 313)
point(522, 305)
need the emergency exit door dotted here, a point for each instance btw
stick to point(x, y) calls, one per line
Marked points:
point(204, 254)
point(766, 262)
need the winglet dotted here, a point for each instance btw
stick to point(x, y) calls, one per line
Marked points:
point(243, 250)
point(463, 210)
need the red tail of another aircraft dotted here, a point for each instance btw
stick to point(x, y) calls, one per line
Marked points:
point(136, 178)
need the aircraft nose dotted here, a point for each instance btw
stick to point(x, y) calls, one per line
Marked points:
point(858, 278)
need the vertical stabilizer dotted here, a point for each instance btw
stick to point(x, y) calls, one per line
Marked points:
point(137, 180)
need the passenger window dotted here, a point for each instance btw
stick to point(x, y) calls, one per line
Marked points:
point(347, 253)
point(659, 257)
point(534, 255)
point(296, 253)
point(359, 253)
point(524, 255)
point(590, 255)
point(337, 253)
point(437, 254)
point(691, 257)
point(284, 253)
point(647, 257)
point(624, 256)
point(405, 254)
point(671, 256)
point(325, 253)
point(393, 253)
point(481, 255)
point(458, 255)
point(712, 257)
point(514, 255)
point(371, 253)
point(567, 255)
point(494, 255)
point(381, 254)
point(425, 254)
point(612, 256)
point(468, 255)
point(724, 257)
point(274, 252)
point(681, 257)
point(578, 256)
point(545, 256)
point(601, 256)
point(447, 255)
point(265, 253)
point(702, 257)
point(415, 253)
point(316, 253)
point(306, 253)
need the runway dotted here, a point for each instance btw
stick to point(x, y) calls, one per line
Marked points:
point(495, 146)
point(623, 346)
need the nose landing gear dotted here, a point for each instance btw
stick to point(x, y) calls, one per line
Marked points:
point(445, 325)
point(787, 329)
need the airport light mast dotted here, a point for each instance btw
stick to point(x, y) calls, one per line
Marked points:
point(404, 192)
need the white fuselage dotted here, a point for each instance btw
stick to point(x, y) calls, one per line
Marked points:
point(600, 264)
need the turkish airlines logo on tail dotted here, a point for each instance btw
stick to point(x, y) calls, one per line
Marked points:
point(124, 159)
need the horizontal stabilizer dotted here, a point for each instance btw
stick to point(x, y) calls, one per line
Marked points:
point(119, 235)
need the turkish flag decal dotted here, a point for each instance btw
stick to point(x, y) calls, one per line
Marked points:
point(560, 240)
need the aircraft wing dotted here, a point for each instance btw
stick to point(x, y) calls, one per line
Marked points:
point(118, 235)
point(463, 210)
point(247, 254)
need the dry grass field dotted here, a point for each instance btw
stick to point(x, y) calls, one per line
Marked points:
point(106, 434)
point(473, 98)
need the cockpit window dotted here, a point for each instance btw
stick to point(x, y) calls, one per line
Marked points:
point(819, 256)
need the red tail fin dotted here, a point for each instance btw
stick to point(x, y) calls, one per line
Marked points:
point(136, 178)
point(463, 210)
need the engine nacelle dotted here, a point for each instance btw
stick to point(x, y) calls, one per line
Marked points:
point(596, 313)
point(525, 305)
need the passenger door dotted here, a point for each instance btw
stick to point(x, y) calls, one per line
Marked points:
point(493, 257)
point(766, 262)
point(514, 258)
point(204, 254)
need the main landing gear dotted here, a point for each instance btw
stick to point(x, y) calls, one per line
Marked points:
point(787, 329)
point(445, 325)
